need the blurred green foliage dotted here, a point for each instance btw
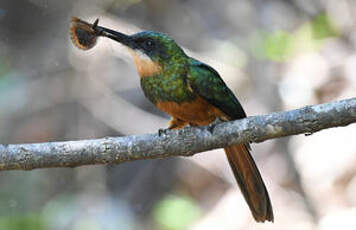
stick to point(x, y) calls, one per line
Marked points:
point(277, 46)
point(31, 221)
point(175, 212)
point(281, 45)
point(322, 27)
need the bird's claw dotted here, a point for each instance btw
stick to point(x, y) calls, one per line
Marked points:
point(162, 131)
point(212, 125)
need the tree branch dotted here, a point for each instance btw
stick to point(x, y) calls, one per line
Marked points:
point(184, 142)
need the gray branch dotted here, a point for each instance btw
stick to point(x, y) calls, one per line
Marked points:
point(184, 142)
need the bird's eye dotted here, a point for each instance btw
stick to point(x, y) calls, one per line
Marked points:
point(149, 44)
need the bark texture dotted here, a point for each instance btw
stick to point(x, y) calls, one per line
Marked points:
point(184, 142)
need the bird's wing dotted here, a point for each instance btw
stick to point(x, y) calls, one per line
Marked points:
point(207, 83)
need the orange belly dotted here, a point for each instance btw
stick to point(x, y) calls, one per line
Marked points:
point(196, 112)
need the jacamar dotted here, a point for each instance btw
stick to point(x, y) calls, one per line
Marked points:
point(192, 93)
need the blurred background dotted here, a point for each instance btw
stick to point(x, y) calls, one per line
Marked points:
point(275, 55)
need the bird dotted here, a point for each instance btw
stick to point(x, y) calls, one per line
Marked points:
point(191, 92)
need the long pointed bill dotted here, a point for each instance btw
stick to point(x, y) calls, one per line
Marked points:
point(115, 35)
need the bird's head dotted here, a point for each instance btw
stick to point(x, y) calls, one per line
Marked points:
point(152, 51)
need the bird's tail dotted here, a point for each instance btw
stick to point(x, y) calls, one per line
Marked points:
point(250, 182)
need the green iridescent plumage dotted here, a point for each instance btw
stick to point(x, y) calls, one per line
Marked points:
point(207, 83)
point(183, 78)
point(166, 87)
point(185, 82)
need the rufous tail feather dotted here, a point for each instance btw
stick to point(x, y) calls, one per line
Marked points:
point(250, 182)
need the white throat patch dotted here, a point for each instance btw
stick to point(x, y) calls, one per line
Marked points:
point(144, 64)
point(142, 55)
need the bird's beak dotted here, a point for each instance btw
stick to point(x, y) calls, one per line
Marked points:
point(115, 35)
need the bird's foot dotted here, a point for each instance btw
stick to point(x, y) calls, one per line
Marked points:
point(212, 125)
point(162, 132)
point(211, 128)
